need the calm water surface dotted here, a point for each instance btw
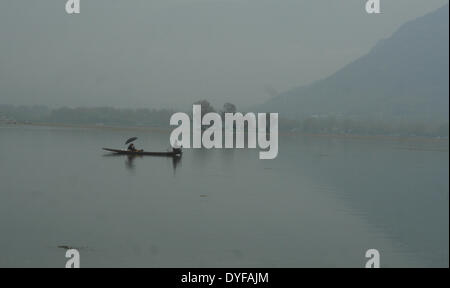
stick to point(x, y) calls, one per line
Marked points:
point(322, 203)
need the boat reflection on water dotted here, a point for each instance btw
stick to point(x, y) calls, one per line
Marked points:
point(130, 160)
point(175, 162)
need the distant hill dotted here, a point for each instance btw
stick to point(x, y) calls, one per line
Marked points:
point(404, 77)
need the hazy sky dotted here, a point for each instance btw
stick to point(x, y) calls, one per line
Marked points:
point(169, 53)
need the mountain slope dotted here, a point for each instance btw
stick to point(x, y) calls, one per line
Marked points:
point(404, 77)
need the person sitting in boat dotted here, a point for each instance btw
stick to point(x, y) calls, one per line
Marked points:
point(132, 148)
point(177, 147)
point(177, 150)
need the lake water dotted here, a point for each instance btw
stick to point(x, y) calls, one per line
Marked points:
point(322, 203)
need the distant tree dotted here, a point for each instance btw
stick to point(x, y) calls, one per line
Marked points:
point(206, 106)
point(229, 108)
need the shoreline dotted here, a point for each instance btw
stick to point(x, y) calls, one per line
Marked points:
point(281, 133)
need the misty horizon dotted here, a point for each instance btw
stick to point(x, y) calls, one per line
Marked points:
point(160, 55)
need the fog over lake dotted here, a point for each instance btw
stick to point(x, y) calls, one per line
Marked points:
point(359, 103)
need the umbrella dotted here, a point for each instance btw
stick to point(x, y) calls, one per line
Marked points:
point(131, 140)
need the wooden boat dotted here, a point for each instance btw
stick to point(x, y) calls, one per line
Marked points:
point(174, 153)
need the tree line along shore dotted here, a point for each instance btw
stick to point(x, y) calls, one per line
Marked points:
point(159, 118)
